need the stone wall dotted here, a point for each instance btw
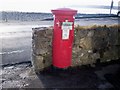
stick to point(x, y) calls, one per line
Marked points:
point(90, 44)
point(41, 48)
point(95, 43)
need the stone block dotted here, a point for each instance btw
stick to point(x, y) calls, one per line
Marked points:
point(41, 40)
point(83, 57)
point(113, 35)
point(37, 62)
point(112, 53)
point(41, 48)
point(86, 43)
point(41, 62)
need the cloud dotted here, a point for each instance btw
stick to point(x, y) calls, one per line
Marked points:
point(47, 5)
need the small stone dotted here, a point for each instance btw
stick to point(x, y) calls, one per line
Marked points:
point(90, 33)
point(10, 67)
point(43, 51)
point(89, 51)
point(81, 54)
point(24, 75)
point(25, 84)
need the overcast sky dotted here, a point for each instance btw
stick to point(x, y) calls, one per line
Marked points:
point(47, 5)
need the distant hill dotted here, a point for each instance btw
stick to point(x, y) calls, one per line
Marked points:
point(32, 16)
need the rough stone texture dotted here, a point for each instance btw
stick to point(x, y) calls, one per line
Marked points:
point(96, 42)
point(90, 43)
point(110, 54)
point(83, 57)
point(41, 45)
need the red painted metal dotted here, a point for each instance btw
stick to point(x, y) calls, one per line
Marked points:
point(62, 48)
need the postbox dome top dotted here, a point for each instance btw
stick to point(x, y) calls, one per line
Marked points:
point(64, 11)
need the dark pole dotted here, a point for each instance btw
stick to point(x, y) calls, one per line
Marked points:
point(111, 7)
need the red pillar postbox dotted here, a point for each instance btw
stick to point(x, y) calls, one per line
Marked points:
point(63, 35)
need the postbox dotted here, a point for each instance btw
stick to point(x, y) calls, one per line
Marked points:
point(63, 35)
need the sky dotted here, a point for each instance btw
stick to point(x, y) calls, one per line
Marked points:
point(48, 5)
